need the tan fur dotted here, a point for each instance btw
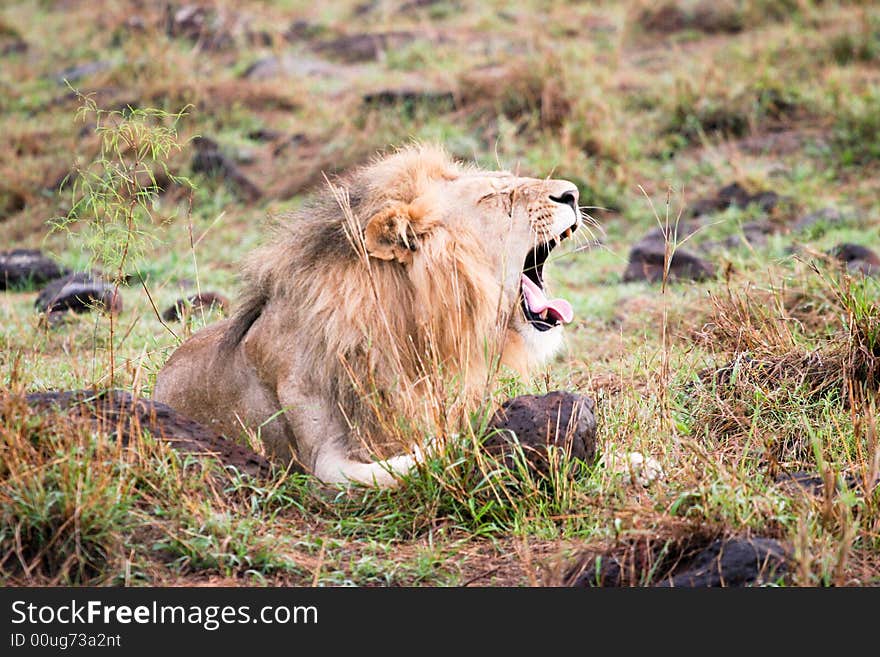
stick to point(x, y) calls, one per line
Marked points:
point(394, 290)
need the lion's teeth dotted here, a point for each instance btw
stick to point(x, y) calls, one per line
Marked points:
point(543, 314)
point(566, 233)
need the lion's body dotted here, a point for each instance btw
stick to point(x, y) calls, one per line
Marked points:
point(367, 304)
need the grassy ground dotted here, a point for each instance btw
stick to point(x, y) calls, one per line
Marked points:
point(768, 368)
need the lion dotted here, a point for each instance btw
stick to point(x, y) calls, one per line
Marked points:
point(412, 274)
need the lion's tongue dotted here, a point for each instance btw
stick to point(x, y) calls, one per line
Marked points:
point(538, 302)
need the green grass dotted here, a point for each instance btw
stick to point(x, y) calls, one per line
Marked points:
point(857, 130)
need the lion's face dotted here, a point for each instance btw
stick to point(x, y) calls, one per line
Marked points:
point(474, 245)
point(518, 221)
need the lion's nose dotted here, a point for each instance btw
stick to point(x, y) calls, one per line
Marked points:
point(569, 198)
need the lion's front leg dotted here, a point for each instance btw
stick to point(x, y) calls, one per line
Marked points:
point(323, 444)
point(334, 466)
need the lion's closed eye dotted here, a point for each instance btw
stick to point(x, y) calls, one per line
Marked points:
point(504, 198)
point(488, 197)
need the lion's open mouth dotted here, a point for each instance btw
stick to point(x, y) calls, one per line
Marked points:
point(541, 312)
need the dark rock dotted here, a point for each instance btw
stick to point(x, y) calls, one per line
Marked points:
point(778, 143)
point(801, 482)
point(709, 16)
point(206, 26)
point(862, 267)
point(185, 308)
point(298, 139)
point(667, 17)
point(732, 562)
point(263, 69)
point(158, 181)
point(714, 17)
point(415, 5)
point(766, 200)
point(260, 39)
point(289, 66)
point(11, 202)
point(705, 206)
point(696, 560)
point(558, 419)
point(136, 23)
point(826, 216)
point(412, 5)
point(674, 233)
point(14, 46)
point(724, 375)
point(810, 483)
point(81, 71)
point(353, 48)
point(847, 252)
point(265, 134)
point(734, 194)
point(364, 8)
point(11, 42)
point(209, 159)
point(857, 259)
point(647, 259)
point(410, 97)
point(80, 293)
point(303, 30)
point(62, 181)
point(123, 417)
point(24, 268)
point(754, 233)
point(106, 95)
point(188, 21)
point(757, 228)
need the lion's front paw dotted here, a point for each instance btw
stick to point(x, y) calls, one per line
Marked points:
point(404, 463)
point(639, 469)
point(432, 446)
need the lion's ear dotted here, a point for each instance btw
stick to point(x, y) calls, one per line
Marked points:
point(396, 232)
